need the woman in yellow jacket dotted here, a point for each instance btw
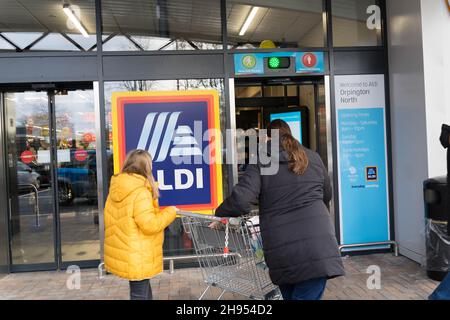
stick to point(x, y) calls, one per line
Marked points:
point(134, 225)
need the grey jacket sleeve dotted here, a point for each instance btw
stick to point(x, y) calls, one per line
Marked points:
point(244, 194)
point(327, 190)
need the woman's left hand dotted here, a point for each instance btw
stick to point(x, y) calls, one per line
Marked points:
point(215, 225)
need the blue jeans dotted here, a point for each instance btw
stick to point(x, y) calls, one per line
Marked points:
point(140, 290)
point(307, 290)
point(442, 292)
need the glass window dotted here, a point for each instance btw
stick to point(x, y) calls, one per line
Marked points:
point(47, 25)
point(356, 23)
point(292, 91)
point(31, 188)
point(274, 91)
point(162, 25)
point(119, 43)
point(286, 24)
point(176, 241)
point(5, 45)
point(248, 92)
point(77, 175)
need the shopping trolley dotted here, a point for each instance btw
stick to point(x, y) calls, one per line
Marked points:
point(230, 255)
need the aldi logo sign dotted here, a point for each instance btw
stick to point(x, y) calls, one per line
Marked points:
point(181, 131)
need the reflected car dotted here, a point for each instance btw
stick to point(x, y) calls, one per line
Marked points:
point(27, 177)
point(78, 179)
point(45, 174)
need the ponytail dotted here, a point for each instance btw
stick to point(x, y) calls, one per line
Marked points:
point(298, 159)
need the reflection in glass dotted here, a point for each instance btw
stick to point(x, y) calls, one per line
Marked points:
point(322, 121)
point(76, 175)
point(248, 92)
point(274, 91)
point(119, 43)
point(30, 186)
point(350, 23)
point(308, 99)
point(309, 95)
point(162, 25)
point(286, 24)
point(55, 41)
point(43, 25)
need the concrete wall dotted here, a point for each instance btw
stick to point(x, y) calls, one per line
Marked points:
point(436, 53)
point(419, 62)
point(409, 131)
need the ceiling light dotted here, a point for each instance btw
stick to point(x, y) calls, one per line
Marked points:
point(248, 21)
point(77, 23)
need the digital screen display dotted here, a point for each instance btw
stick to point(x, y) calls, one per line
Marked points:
point(294, 120)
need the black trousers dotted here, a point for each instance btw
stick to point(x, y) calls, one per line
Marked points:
point(141, 290)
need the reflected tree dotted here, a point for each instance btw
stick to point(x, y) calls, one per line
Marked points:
point(138, 85)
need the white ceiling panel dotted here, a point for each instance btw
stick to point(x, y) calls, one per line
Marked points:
point(279, 25)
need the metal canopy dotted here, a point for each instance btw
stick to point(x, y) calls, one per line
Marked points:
point(25, 24)
point(43, 16)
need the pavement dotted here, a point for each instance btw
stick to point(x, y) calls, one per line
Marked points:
point(400, 279)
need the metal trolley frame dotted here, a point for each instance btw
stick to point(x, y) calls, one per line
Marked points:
point(230, 255)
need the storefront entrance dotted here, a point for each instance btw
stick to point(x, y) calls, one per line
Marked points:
point(51, 175)
point(299, 100)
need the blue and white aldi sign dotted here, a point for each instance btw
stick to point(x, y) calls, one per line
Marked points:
point(181, 130)
point(362, 159)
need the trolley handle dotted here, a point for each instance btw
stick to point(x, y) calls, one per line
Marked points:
point(198, 215)
point(232, 221)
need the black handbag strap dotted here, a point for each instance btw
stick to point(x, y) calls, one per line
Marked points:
point(448, 191)
point(445, 141)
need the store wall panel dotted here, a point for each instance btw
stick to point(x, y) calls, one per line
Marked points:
point(360, 62)
point(409, 125)
point(149, 67)
point(47, 69)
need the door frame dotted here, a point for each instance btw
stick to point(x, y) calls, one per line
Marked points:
point(314, 80)
point(51, 90)
point(269, 103)
point(32, 266)
point(4, 212)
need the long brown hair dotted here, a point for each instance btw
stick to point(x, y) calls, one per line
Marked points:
point(140, 162)
point(298, 159)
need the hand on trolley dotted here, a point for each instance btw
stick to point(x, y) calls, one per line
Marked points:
point(215, 225)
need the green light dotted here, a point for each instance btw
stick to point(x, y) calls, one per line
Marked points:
point(274, 62)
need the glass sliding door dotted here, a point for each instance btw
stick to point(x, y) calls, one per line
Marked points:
point(31, 190)
point(52, 181)
point(77, 175)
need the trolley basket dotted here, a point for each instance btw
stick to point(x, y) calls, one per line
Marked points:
point(230, 255)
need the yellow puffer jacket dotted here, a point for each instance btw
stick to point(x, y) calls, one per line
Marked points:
point(134, 228)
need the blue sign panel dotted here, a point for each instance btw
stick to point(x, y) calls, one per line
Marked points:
point(362, 159)
point(362, 166)
point(294, 120)
point(178, 130)
point(253, 63)
point(165, 120)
